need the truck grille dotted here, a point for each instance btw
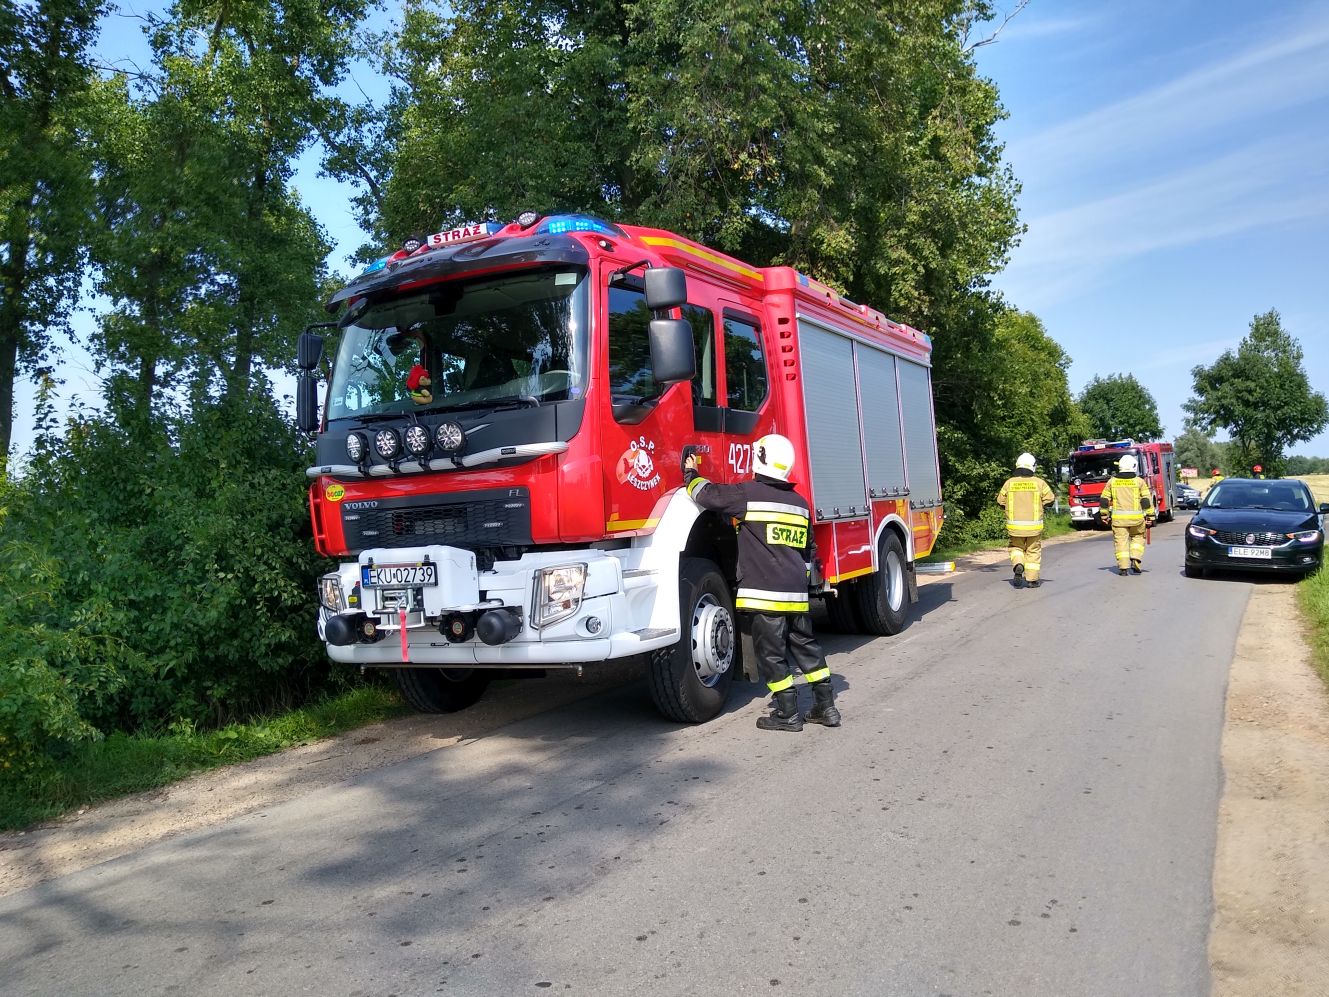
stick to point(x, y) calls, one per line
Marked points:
point(1234, 539)
point(491, 518)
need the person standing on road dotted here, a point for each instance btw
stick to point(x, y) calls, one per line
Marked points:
point(1129, 508)
point(776, 557)
point(1023, 496)
point(1258, 471)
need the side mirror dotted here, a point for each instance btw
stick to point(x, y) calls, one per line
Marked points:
point(306, 401)
point(673, 356)
point(666, 287)
point(1324, 508)
point(309, 351)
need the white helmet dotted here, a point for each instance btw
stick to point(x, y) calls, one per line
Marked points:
point(1128, 464)
point(773, 457)
point(1025, 462)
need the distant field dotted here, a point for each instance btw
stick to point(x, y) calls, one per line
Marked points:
point(1319, 485)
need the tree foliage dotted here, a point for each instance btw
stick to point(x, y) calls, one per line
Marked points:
point(852, 141)
point(44, 190)
point(1195, 448)
point(1119, 407)
point(1260, 394)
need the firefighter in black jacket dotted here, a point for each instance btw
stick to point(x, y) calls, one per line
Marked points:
point(776, 555)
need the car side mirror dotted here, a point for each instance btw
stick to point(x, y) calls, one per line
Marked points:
point(1324, 508)
point(666, 287)
point(673, 355)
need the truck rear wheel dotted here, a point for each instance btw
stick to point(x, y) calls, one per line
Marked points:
point(690, 679)
point(883, 597)
point(441, 690)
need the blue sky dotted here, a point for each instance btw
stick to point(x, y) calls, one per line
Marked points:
point(1174, 159)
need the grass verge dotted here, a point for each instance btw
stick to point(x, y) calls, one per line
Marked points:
point(123, 764)
point(1313, 594)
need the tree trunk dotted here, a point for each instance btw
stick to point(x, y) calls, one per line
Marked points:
point(13, 284)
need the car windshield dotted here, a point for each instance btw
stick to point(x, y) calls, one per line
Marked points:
point(1279, 496)
point(1094, 465)
point(518, 338)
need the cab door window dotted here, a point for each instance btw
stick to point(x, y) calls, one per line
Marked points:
point(707, 415)
point(746, 379)
point(632, 388)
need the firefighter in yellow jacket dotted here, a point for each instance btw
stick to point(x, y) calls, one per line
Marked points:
point(1023, 496)
point(1129, 507)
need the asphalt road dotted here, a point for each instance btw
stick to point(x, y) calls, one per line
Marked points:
point(1022, 801)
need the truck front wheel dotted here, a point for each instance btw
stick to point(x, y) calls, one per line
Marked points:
point(441, 690)
point(690, 679)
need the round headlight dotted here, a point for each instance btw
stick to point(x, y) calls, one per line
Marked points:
point(387, 443)
point(528, 218)
point(357, 447)
point(450, 437)
point(418, 441)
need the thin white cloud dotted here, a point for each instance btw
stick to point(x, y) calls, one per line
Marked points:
point(1025, 28)
point(1276, 74)
point(1190, 355)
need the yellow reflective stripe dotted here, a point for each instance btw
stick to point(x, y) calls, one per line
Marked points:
point(781, 685)
point(771, 606)
point(817, 676)
point(696, 485)
point(774, 517)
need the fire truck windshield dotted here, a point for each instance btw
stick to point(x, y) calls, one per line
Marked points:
point(461, 344)
point(1095, 465)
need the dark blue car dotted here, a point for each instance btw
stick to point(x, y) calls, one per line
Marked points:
point(1250, 524)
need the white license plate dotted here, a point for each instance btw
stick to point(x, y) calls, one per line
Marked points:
point(1263, 553)
point(398, 575)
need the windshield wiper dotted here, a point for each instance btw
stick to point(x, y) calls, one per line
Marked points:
point(503, 401)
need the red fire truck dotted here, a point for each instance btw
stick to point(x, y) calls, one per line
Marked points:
point(501, 444)
point(1093, 462)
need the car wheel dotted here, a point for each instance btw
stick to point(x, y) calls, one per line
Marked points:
point(1194, 571)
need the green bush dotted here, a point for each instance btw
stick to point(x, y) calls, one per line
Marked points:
point(158, 574)
point(1313, 594)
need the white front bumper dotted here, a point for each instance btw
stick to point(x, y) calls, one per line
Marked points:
point(1084, 513)
point(619, 614)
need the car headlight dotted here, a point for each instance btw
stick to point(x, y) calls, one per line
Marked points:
point(330, 594)
point(558, 593)
point(1305, 536)
point(1200, 532)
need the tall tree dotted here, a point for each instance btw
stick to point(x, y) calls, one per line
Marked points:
point(852, 141)
point(1260, 394)
point(44, 188)
point(1120, 407)
point(210, 260)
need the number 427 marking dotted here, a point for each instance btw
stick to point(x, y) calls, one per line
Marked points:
point(740, 458)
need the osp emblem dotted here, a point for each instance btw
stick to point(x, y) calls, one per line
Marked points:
point(1250, 538)
point(637, 465)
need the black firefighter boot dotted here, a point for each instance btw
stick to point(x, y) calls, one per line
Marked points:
point(823, 707)
point(784, 715)
point(1019, 575)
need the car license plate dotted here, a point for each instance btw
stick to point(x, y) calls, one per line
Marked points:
point(1257, 552)
point(398, 575)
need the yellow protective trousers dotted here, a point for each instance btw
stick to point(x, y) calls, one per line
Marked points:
point(1127, 542)
point(1029, 552)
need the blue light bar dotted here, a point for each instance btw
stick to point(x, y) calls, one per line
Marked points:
point(563, 224)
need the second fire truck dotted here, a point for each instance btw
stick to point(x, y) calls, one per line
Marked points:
point(501, 444)
point(1094, 461)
